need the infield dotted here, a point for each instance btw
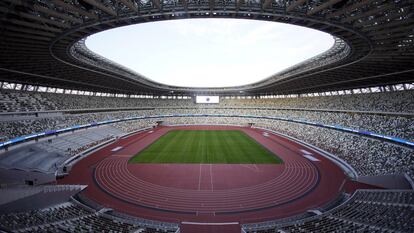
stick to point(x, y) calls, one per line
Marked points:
point(206, 146)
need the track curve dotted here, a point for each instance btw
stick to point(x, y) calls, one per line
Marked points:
point(268, 191)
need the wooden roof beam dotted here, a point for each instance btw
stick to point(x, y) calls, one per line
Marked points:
point(157, 3)
point(56, 14)
point(31, 37)
point(368, 13)
point(379, 20)
point(32, 25)
point(39, 8)
point(239, 3)
point(394, 25)
point(35, 17)
point(266, 4)
point(211, 4)
point(185, 4)
point(295, 4)
point(130, 5)
point(322, 7)
point(403, 29)
point(71, 7)
point(101, 7)
point(350, 8)
point(28, 31)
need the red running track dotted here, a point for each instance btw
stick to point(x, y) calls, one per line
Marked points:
point(208, 192)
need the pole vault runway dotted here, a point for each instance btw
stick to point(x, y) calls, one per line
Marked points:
point(208, 193)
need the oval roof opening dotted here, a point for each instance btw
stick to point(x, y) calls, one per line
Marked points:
point(209, 52)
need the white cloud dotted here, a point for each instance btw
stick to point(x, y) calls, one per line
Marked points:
point(209, 52)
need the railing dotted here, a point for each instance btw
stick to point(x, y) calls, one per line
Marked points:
point(58, 188)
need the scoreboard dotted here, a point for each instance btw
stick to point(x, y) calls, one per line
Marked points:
point(202, 99)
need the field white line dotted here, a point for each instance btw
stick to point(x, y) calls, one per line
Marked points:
point(199, 178)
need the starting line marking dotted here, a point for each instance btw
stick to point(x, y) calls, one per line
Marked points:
point(211, 223)
point(116, 148)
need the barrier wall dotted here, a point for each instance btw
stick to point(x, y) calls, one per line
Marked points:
point(93, 124)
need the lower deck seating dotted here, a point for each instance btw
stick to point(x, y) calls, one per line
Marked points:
point(72, 217)
point(31, 158)
point(366, 211)
point(47, 155)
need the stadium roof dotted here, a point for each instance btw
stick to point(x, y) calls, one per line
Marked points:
point(42, 42)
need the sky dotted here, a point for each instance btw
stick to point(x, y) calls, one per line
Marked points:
point(209, 52)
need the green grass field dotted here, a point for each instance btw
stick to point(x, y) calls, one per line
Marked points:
point(206, 146)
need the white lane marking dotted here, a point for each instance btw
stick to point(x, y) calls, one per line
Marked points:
point(211, 177)
point(311, 158)
point(117, 148)
point(306, 152)
point(210, 223)
point(199, 178)
point(252, 167)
